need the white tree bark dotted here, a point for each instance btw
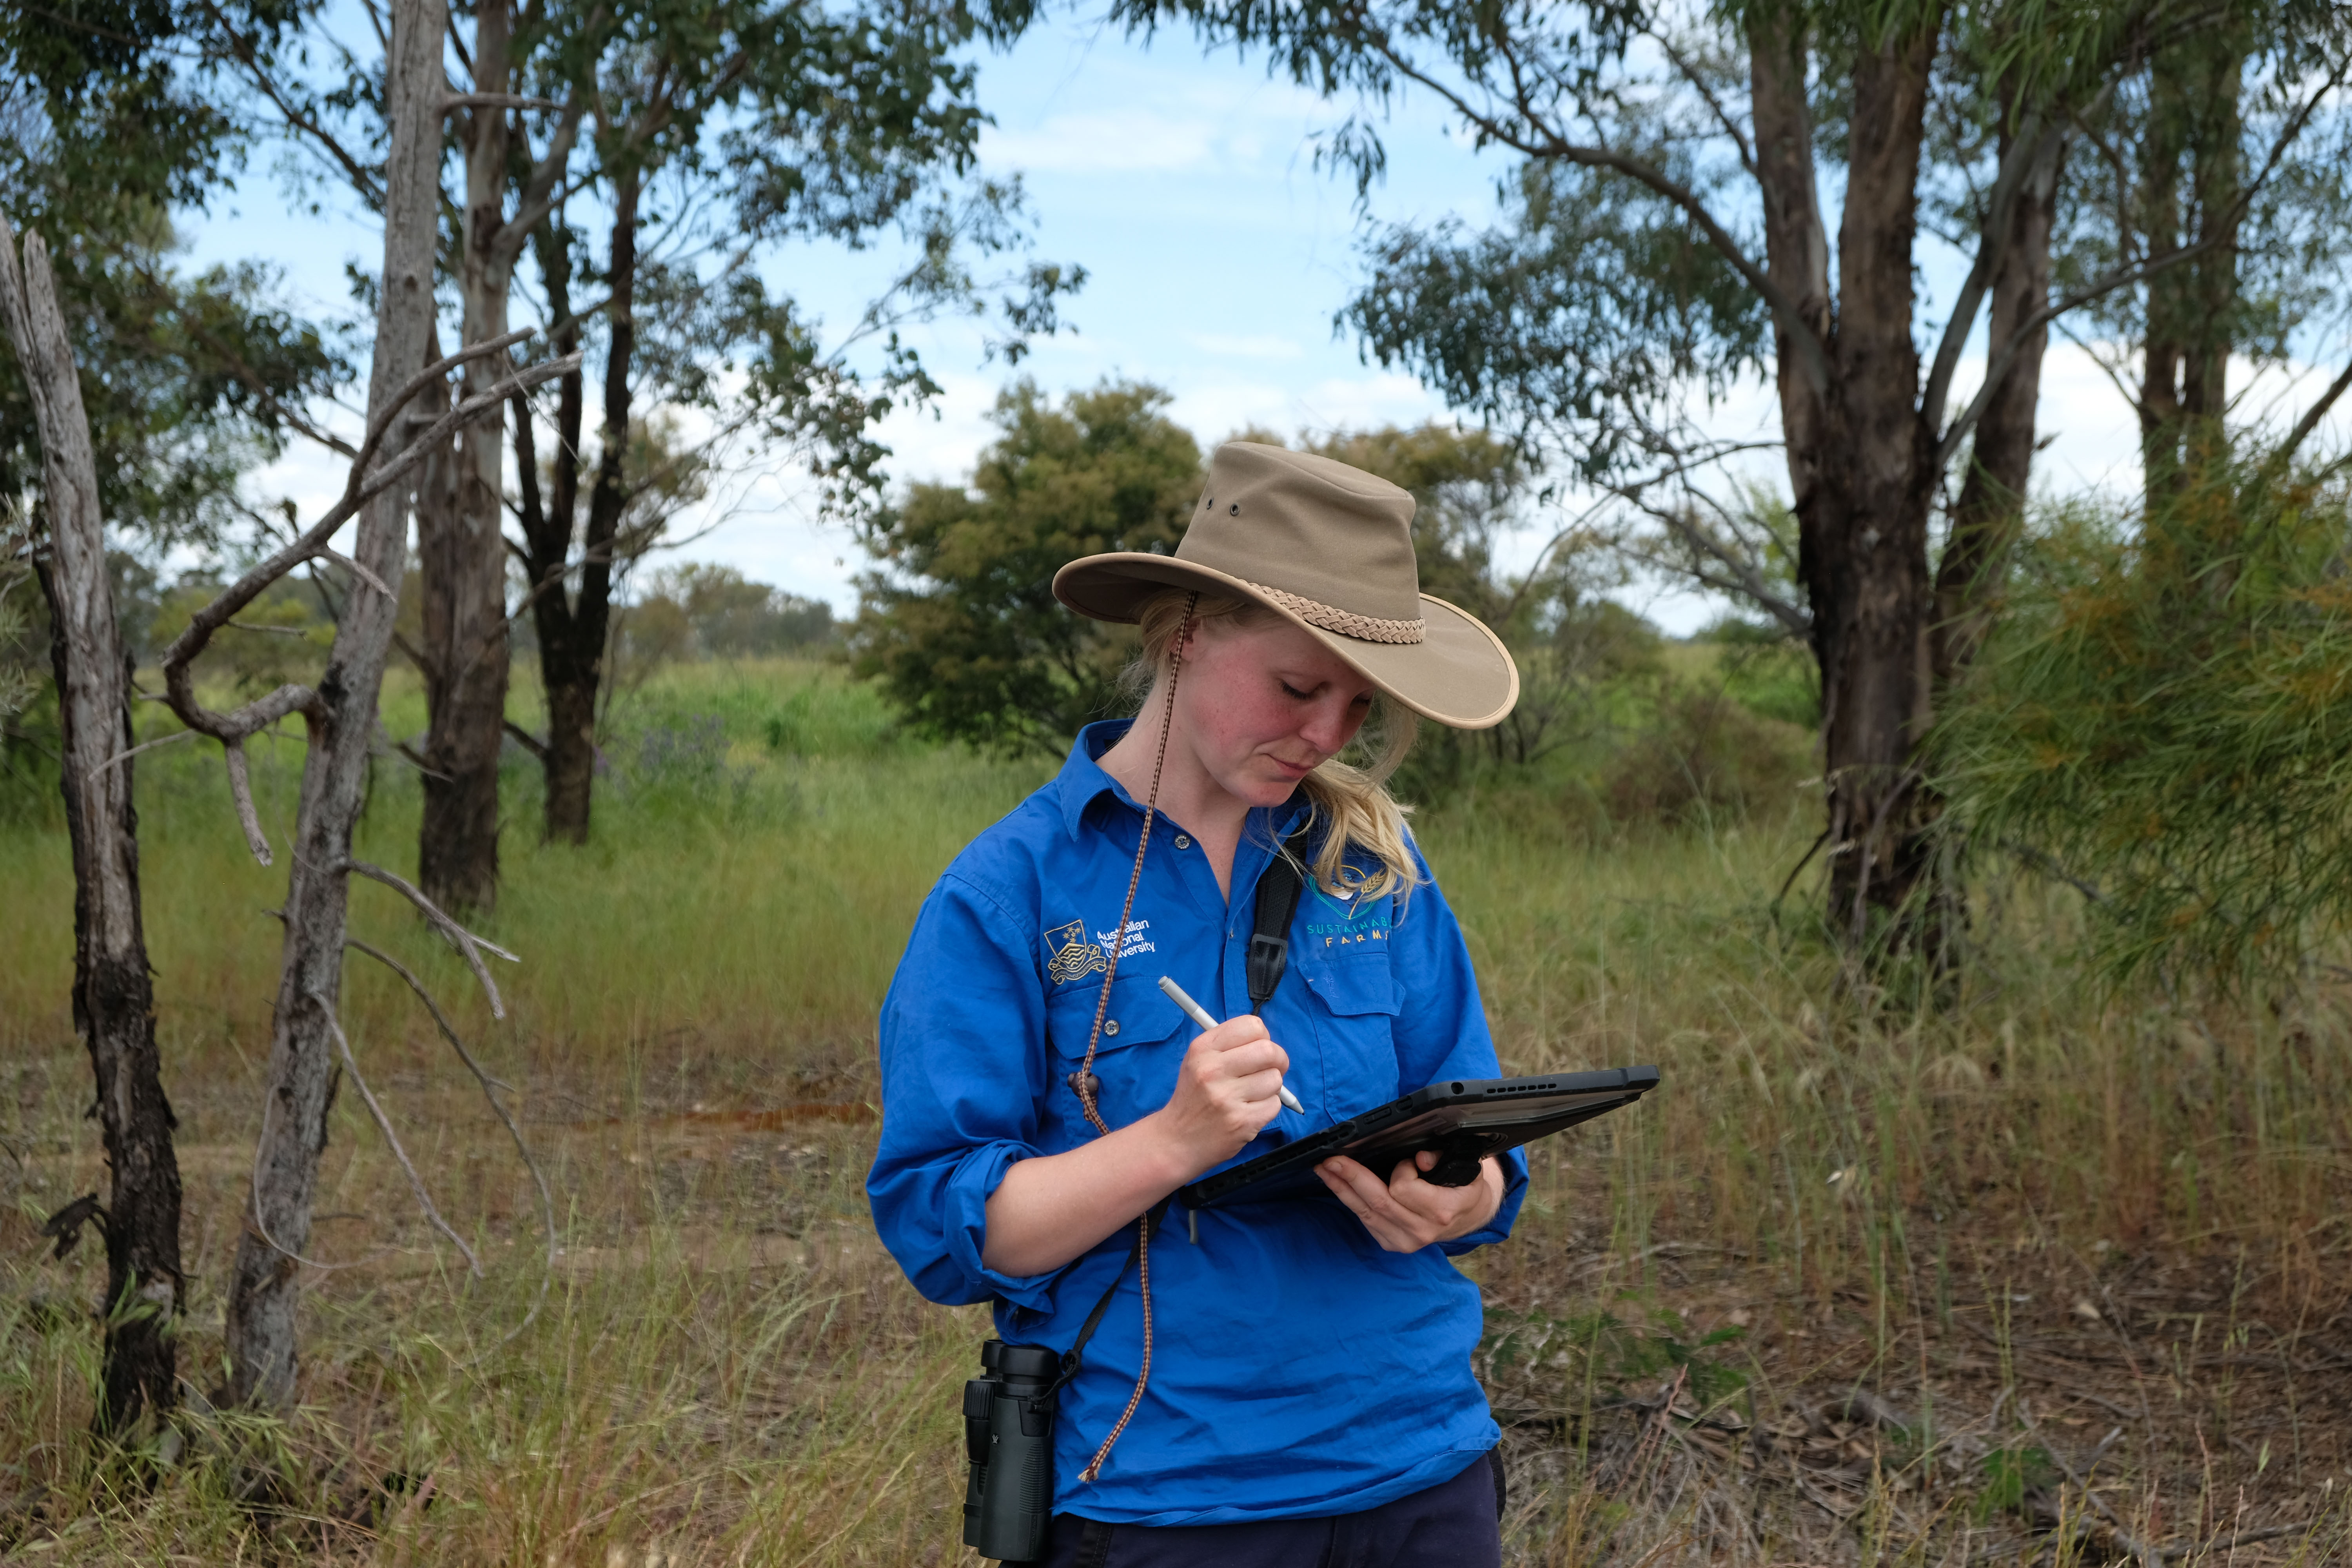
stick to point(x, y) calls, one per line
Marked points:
point(341, 716)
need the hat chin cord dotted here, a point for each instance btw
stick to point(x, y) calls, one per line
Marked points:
point(1085, 1081)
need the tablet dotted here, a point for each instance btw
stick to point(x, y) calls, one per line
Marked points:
point(1463, 1119)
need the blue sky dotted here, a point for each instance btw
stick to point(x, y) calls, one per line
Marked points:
point(1217, 253)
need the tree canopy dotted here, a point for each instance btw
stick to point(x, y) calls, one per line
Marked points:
point(960, 622)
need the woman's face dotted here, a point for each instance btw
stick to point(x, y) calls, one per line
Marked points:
point(1260, 704)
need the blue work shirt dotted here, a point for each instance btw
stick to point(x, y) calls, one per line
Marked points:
point(1298, 1369)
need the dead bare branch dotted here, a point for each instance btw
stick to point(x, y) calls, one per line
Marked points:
point(356, 570)
point(2310, 420)
point(458, 936)
point(125, 755)
point(528, 742)
point(489, 1084)
point(383, 1125)
point(178, 659)
point(240, 789)
point(253, 1219)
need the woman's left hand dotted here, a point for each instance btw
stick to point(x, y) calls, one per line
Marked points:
point(1406, 1214)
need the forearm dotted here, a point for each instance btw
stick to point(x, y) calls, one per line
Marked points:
point(1054, 1208)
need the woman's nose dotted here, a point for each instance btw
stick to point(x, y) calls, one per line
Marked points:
point(1329, 727)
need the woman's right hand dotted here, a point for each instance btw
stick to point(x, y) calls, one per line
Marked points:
point(1226, 1091)
point(1052, 1207)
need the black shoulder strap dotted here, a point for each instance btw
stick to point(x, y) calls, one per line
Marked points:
point(1072, 1358)
point(1277, 901)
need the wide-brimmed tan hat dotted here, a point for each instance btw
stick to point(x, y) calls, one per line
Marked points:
point(1330, 548)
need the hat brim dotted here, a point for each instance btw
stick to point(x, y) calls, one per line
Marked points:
point(1459, 675)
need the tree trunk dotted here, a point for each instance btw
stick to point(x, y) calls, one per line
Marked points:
point(464, 618)
point(113, 997)
point(463, 567)
point(1991, 504)
point(301, 1073)
point(568, 760)
point(573, 628)
point(2192, 179)
point(1863, 543)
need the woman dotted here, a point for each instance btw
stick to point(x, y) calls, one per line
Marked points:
point(1287, 1382)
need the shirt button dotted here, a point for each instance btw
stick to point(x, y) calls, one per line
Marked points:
point(1111, 1027)
point(1183, 842)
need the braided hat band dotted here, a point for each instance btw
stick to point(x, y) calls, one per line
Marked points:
point(1347, 623)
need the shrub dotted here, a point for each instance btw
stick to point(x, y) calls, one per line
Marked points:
point(2166, 717)
point(1704, 756)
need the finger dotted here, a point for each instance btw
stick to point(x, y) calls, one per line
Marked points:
point(1357, 1188)
point(1377, 1225)
point(1257, 1086)
point(1380, 1202)
point(1235, 1032)
point(1341, 1190)
point(1436, 1205)
point(1241, 1061)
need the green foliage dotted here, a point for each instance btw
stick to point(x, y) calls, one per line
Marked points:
point(1599, 1353)
point(2190, 125)
point(1592, 307)
point(2165, 720)
point(750, 126)
point(1704, 756)
point(282, 636)
point(110, 119)
point(2010, 1476)
point(960, 624)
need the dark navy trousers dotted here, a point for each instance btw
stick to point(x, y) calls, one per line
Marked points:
point(1454, 1524)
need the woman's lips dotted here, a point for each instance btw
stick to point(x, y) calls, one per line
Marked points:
point(1292, 771)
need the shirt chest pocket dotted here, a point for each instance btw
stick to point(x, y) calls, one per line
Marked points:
point(1355, 1016)
point(1144, 1038)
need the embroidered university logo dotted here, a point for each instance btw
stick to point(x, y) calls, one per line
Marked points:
point(1070, 956)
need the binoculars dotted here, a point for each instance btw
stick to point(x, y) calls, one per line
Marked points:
point(1008, 1435)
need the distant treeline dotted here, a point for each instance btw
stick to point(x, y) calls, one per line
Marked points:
point(699, 610)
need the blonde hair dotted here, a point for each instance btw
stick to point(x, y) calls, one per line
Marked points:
point(1353, 797)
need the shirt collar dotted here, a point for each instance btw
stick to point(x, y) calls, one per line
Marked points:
point(1082, 782)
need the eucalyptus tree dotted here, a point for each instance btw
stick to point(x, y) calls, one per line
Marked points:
point(2179, 161)
point(512, 180)
point(1665, 235)
point(719, 133)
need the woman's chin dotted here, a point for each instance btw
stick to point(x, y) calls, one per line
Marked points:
point(1272, 791)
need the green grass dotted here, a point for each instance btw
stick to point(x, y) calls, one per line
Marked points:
point(729, 1368)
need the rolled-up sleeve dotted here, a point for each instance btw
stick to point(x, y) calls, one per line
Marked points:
point(1440, 1029)
point(963, 1071)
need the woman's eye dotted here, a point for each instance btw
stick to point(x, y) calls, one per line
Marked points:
point(1292, 692)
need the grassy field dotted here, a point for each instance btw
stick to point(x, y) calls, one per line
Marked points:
point(1861, 1284)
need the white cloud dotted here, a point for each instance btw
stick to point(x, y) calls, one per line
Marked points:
point(1136, 141)
point(1226, 345)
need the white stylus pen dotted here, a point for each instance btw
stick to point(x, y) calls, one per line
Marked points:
point(1199, 1014)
